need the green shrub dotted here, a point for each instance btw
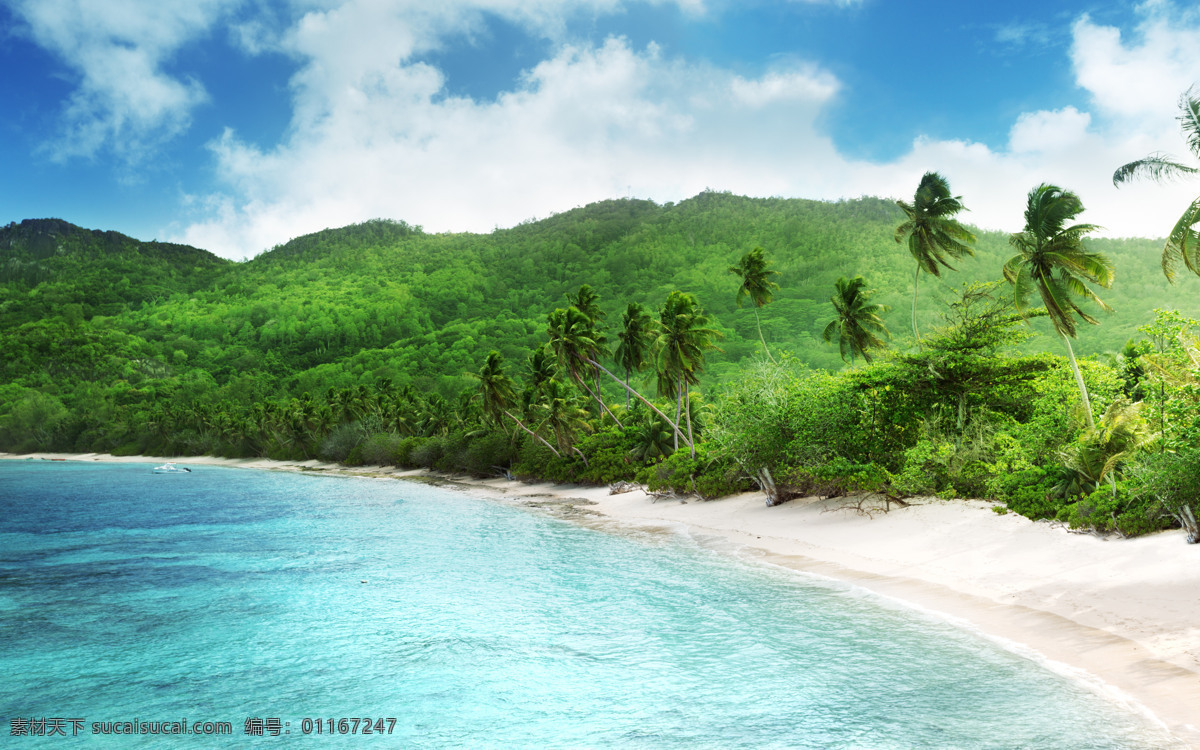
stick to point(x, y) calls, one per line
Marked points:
point(709, 474)
point(338, 444)
point(428, 453)
point(610, 456)
point(834, 479)
point(1028, 492)
point(1126, 512)
point(379, 449)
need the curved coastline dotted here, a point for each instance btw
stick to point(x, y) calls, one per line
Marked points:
point(1120, 615)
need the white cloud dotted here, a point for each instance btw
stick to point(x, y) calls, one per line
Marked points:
point(1042, 132)
point(587, 124)
point(123, 99)
point(374, 134)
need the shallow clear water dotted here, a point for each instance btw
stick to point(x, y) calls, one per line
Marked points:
point(226, 594)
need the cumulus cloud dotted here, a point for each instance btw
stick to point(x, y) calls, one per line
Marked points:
point(587, 124)
point(376, 133)
point(123, 99)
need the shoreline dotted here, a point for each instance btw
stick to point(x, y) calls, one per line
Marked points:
point(1120, 615)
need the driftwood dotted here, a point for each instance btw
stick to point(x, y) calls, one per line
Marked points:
point(859, 506)
point(768, 486)
point(620, 488)
point(667, 495)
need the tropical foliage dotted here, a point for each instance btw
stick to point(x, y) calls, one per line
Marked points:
point(590, 346)
point(1183, 241)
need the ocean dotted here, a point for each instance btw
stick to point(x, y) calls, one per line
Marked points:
point(246, 607)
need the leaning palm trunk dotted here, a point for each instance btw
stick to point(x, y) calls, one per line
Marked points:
point(760, 337)
point(688, 403)
point(916, 281)
point(1087, 403)
point(596, 395)
point(531, 432)
point(655, 409)
point(678, 407)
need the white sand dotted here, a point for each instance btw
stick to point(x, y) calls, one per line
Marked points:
point(1120, 613)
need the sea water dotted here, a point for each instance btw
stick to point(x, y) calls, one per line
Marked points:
point(282, 603)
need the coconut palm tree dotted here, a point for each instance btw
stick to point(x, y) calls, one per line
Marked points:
point(858, 325)
point(757, 285)
point(933, 236)
point(1102, 450)
point(1052, 261)
point(573, 339)
point(496, 391)
point(561, 413)
point(633, 342)
point(679, 349)
point(1183, 243)
point(587, 302)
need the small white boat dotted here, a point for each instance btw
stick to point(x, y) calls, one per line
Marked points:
point(171, 468)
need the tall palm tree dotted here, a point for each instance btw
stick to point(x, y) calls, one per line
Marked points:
point(633, 342)
point(587, 302)
point(858, 325)
point(757, 285)
point(933, 235)
point(1183, 244)
point(1052, 261)
point(679, 349)
point(573, 339)
point(496, 391)
point(563, 416)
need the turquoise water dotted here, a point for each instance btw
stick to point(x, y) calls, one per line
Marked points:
point(227, 594)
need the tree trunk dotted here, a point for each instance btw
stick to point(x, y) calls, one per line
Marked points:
point(962, 418)
point(687, 397)
point(768, 486)
point(760, 337)
point(678, 408)
point(531, 432)
point(674, 425)
point(1087, 402)
point(627, 388)
point(600, 401)
point(916, 280)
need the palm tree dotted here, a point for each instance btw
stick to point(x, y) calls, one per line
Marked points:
point(633, 342)
point(1051, 259)
point(495, 392)
point(679, 350)
point(757, 285)
point(587, 302)
point(1183, 244)
point(573, 339)
point(1101, 451)
point(933, 236)
point(562, 414)
point(858, 325)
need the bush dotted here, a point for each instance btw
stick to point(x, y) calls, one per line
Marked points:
point(1125, 512)
point(379, 449)
point(1028, 492)
point(709, 474)
point(428, 453)
point(610, 457)
point(338, 444)
point(834, 479)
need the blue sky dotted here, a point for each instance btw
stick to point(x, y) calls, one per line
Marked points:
point(235, 125)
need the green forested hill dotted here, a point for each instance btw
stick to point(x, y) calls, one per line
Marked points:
point(49, 267)
point(95, 320)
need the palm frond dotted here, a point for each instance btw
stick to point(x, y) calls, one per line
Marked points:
point(1157, 167)
point(1189, 120)
point(1183, 243)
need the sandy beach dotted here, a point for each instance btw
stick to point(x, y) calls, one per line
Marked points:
point(1122, 615)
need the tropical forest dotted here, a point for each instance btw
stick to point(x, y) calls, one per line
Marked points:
point(717, 345)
